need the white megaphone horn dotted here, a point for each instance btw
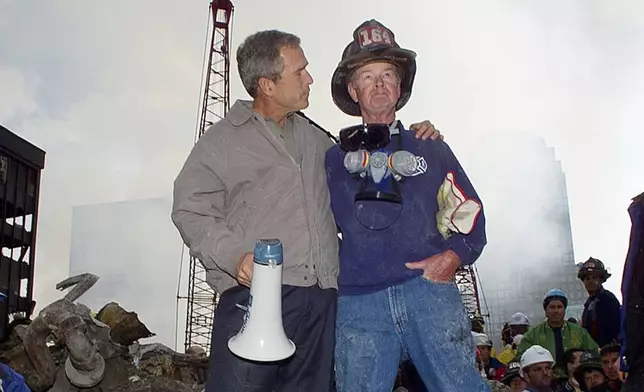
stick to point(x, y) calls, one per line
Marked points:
point(262, 337)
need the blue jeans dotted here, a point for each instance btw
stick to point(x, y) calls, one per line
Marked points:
point(421, 319)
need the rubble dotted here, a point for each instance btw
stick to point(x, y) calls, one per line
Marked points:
point(65, 349)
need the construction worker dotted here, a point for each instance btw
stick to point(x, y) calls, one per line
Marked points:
point(536, 369)
point(518, 325)
point(512, 377)
point(259, 173)
point(556, 334)
point(490, 367)
point(590, 374)
point(601, 316)
point(397, 292)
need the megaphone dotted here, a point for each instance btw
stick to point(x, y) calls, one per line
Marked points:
point(262, 337)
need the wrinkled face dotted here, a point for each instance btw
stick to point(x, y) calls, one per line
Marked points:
point(575, 363)
point(593, 378)
point(376, 87)
point(517, 384)
point(592, 283)
point(609, 363)
point(555, 311)
point(539, 375)
point(291, 91)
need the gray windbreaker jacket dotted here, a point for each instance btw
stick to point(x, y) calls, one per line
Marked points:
point(239, 184)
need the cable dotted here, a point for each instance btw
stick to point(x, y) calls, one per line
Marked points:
point(480, 285)
point(176, 309)
point(201, 82)
point(329, 134)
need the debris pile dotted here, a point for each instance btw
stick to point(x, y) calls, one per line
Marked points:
point(66, 349)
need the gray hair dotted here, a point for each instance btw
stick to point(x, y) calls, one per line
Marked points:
point(259, 57)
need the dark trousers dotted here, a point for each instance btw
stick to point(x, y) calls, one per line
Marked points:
point(309, 321)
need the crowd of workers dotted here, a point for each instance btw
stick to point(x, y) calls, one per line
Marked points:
point(558, 354)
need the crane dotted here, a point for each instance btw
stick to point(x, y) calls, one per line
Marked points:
point(214, 104)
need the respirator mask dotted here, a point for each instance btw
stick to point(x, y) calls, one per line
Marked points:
point(378, 203)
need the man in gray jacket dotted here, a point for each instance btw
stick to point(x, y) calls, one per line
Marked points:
point(259, 173)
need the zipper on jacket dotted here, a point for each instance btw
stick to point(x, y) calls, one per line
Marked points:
point(308, 222)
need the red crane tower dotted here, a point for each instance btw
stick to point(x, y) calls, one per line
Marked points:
point(468, 286)
point(215, 102)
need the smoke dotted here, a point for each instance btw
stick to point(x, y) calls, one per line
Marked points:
point(114, 110)
point(109, 90)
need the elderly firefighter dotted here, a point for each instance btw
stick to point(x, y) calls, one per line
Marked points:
point(601, 316)
point(397, 294)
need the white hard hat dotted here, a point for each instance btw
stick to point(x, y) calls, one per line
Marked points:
point(481, 339)
point(519, 319)
point(535, 354)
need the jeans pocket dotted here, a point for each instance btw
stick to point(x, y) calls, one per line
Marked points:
point(438, 282)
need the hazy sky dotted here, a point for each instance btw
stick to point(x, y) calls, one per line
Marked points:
point(125, 270)
point(110, 91)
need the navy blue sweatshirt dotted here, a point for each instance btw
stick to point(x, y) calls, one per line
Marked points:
point(372, 260)
point(602, 317)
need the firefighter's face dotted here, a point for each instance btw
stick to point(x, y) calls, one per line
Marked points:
point(592, 283)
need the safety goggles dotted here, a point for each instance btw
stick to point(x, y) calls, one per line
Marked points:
point(369, 137)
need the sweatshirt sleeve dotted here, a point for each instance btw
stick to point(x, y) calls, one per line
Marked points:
point(461, 219)
point(199, 212)
point(609, 316)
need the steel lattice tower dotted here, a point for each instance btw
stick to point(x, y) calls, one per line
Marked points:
point(215, 102)
point(466, 282)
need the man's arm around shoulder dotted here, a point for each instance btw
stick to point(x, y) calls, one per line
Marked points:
point(465, 217)
point(199, 211)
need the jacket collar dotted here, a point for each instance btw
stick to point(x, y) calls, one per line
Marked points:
point(564, 326)
point(242, 111)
